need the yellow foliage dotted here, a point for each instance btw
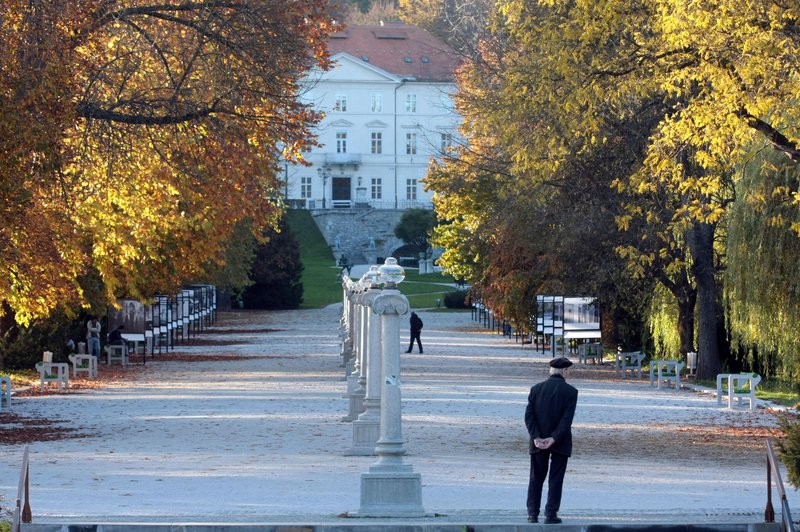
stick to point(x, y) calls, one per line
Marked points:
point(134, 135)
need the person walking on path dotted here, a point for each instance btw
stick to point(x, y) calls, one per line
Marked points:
point(548, 417)
point(416, 329)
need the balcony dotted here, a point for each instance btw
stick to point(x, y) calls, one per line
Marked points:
point(343, 159)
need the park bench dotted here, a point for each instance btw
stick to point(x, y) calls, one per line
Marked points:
point(629, 361)
point(117, 353)
point(52, 372)
point(593, 351)
point(739, 386)
point(83, 363)
point(5, 390)
point(666, 371)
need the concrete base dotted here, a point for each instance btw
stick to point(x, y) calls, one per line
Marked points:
point(365, 437)
point(391, 494)
point(356, 405)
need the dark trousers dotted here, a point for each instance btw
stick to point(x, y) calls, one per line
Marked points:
point(539, 466)
point(415, 336)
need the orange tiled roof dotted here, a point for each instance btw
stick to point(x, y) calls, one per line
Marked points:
point(403, 50)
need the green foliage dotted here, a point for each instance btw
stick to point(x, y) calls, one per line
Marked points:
point(320, 277)
point(456, 299)
point(789, 446)
point(415, 226)
point(22, 347)
point(276, 273)
point(662, 317)
point(762, 290)
point(233, 275)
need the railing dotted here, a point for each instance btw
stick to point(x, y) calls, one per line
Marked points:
point(22, 511)
point(769, 512)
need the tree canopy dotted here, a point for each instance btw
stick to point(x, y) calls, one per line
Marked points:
point(662, 99)
point(415, 226)
point(135, 135)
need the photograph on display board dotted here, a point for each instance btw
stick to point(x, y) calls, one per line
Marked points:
point(131, 314)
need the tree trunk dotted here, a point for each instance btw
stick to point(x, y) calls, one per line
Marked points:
point(686, 303)
point(701, 244)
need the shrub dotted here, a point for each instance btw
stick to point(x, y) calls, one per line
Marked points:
point(457, 299)
point(789, 446)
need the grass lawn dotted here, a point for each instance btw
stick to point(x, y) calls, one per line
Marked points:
point(423, 290)
point(778, 392)
point(320, 278)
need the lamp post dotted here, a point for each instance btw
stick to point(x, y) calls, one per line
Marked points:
point(323, 173)
point(391, 488)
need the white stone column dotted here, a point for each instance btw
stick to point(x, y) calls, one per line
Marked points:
point(343, 320)
point(391, 488)
point(366, 429)
point(347, 345)
point(353, 368)
point(359, 376)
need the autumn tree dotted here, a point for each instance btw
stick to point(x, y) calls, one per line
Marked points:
point(723, 74)
point(526, 216)
point(135, 135)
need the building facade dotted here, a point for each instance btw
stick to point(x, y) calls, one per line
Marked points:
point(388, 109)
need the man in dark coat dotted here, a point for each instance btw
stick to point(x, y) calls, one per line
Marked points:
point(548, 417)
point(416, 329)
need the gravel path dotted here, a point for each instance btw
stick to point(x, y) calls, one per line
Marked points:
point(247, 426)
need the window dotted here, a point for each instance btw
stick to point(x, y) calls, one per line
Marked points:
point(411, 103)
point(376, 142)
point(377, 188)
point(376, 102)
point(341, 142)
point(305, 187)
point(341, 103)
point(447, 142)
point(411, 189)
point(411, 143)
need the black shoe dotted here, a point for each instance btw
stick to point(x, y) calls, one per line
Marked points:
point(552, 520)
point(420, 351)
point(533, 519)
point(408, 351)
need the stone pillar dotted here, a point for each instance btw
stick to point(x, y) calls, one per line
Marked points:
point(353, 368)
point(423, 266)
point(347, 344)
point(366, 429)
point(359, 376)
point(391, 488)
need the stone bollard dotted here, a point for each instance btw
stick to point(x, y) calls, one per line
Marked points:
point(366, 429)
point(353, 368)
point(347, 322)
point(391, 488)
point(358, 379)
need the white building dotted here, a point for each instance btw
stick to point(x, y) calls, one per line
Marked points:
point(388, 109)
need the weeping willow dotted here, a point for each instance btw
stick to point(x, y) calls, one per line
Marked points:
point(762, 286)
point(662, 324)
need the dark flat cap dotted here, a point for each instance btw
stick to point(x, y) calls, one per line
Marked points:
point(560, 363)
